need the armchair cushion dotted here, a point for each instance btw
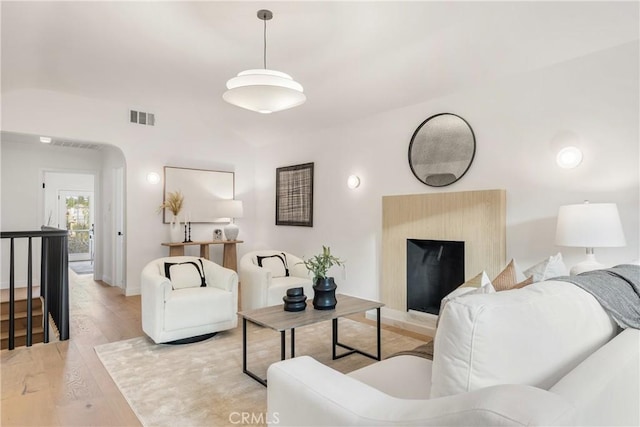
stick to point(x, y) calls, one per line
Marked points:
point(187, 274)
point(276, 264)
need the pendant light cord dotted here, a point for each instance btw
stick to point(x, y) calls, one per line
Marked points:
point(265, 44)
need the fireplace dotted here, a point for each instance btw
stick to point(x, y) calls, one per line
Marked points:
point(434, 268)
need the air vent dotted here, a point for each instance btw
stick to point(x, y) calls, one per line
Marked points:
point(142, 118)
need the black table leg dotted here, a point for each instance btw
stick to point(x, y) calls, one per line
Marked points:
point(379, 340)
point(244, 345)
point(334, 331)
point(244, 354)
point(293, 342)
point(352, 350)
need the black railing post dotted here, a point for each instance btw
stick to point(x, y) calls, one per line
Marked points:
point(44, 286)
point(29, 295)
point(12, 298)
point(64, 289)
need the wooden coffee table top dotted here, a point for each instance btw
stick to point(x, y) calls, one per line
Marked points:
point(276, 318)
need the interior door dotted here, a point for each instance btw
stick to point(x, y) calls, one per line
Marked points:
point(118, 221)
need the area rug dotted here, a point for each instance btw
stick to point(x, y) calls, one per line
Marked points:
point(81, 267)
point(202, 384)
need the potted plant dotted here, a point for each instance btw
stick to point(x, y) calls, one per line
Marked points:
point(324, 288)
point(173, 203)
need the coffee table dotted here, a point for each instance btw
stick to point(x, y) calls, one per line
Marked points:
point(276, 318)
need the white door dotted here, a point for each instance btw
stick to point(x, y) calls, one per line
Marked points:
point(118, 222)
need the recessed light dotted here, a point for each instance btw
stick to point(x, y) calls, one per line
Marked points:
point(45, 139)
point(353, 182)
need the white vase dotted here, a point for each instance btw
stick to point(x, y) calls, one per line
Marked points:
point(176, 232)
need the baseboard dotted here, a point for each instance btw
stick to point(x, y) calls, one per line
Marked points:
point(132, 291)
point(418, 322)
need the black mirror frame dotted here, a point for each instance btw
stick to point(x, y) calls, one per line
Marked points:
point(415, 133)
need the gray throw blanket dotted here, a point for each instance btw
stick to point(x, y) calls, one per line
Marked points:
point(617, 289)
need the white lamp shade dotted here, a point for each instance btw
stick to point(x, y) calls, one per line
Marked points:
point(228, 209)
point(264, 91)
point(589, 225)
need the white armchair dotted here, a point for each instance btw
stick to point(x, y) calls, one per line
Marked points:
point(175, 309)
point(266, 285)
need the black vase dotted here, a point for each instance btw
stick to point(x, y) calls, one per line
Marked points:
point(324, 294)
point(295, 300)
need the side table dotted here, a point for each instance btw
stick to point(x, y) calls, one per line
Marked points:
point(229, 253)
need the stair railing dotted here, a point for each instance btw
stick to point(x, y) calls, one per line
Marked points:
point(54, 281)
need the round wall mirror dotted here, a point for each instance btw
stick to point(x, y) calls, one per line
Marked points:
point(442, 149)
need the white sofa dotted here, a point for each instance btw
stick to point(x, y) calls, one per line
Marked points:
point(547, 354)
point(265, 286)
point(170, 314)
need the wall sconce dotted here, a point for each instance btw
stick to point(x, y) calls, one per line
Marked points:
point(353, 181)
point(153, 178)
point(569, 157)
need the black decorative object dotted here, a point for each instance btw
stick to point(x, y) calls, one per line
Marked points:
point(186, 240)
point(294, 195)
point(324, 294)
point(442, 149)
point(295, 300)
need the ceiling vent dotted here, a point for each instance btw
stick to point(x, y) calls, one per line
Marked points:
point(142, 118)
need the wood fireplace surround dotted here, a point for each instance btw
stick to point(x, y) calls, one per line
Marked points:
point(476, 217)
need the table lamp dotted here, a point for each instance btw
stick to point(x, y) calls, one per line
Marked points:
point(589, 225)
point(229, 209)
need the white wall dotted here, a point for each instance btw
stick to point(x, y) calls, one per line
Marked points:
point(515, 121)
point(180, 138)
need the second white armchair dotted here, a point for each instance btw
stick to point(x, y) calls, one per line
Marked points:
point(266, 275)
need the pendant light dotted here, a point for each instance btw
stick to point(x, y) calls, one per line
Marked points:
point(262, 90)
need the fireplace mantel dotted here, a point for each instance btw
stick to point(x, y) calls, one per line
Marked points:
point(476, 217)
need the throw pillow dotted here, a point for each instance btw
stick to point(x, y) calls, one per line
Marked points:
point(189, 274)
point(510, 278)
point(276, 264)
point(546, 269)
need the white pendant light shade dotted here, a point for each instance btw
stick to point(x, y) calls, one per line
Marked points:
point(264, 91)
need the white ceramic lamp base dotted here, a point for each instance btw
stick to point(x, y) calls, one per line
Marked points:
point(231, 231)
point(589, 264)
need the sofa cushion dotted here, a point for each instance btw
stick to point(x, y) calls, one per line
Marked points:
point(480, 284)
point(404, 377)
point(276, 264)
point(530, 336)
point(189, 274)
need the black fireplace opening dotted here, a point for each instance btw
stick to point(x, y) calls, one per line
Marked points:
point(434, 269)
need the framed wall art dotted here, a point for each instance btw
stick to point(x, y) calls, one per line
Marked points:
point(294, 195)
point(201, 190)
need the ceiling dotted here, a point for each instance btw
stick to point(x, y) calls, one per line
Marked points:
point(354, 59)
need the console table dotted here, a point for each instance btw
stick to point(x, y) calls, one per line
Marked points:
point(229, 254)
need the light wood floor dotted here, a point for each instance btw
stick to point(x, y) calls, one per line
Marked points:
point(64, 383)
